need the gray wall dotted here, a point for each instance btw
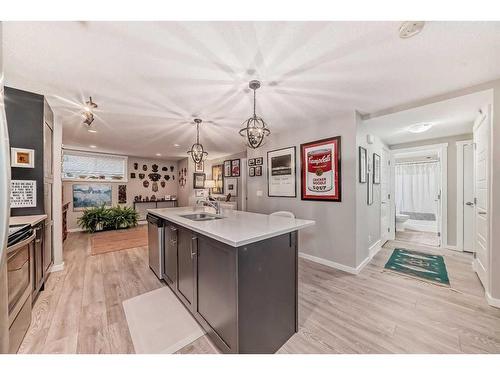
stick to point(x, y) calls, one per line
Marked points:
point(452, 178)
point(333, 237)
point(368, 216)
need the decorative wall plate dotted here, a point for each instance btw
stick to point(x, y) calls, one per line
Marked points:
point(141, 176)
point(154, 167)
point(136, 166)
point(154, 176)
point(132, 175)
point(173, 177)
point(164, 169)
point(167, 177)
point(145, 183)
point(154, 187)
point(171, 168)
point(144, 167)
point(163, 183)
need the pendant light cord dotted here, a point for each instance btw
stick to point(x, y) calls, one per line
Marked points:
point(254, 100)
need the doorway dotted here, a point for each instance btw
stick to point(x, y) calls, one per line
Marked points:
point(419, 180)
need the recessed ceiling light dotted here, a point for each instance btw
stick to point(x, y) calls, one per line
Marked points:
point(158, 154)
point(177, 145)
point(420, 128)
point(92, 131)
point(93, 146)
point(410, 28)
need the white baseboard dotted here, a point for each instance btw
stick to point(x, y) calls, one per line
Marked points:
point(57, 267)
point(495, 302)
point(329, 263)
point(375, 248)
point(75, 230)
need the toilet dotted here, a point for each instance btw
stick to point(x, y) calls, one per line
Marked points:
point(400, 222)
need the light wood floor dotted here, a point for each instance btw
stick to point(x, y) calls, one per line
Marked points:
point(418, 237)
point(80, 310)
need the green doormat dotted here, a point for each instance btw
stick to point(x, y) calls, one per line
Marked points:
point(421, 265)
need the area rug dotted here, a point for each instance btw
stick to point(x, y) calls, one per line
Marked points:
point(427, 267)
point(159, 323)
point(114, 240)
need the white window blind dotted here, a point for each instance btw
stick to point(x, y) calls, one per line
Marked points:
point(79, 165)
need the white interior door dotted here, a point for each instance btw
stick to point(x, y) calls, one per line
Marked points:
point(386, 217)
point(468, 197)
point(482, 129)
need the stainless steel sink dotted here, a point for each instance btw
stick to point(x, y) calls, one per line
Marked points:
point(201, 217)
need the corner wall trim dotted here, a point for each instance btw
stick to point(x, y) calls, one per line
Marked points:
point(57, 267)
point(495, 302)
point(329, 263)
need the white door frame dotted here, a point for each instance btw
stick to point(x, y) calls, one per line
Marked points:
point(442, 151)
point(460, 193)
point(392, 209)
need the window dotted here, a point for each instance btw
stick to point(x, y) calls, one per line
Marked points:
point(91, 166)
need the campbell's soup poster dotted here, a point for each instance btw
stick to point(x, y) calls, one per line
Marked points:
point(321, 170)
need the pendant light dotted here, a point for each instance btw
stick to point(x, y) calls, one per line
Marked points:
point(197, 152)
point(255, 129)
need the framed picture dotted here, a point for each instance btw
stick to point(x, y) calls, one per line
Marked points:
point(362, 165)
point(217, 176)
point(281, 173)
point(369, 197)
point(251, 162)
point(91, 195)
point(259, 161)
point(199, 167)
point(22, 157)
point(231, 186)
point(227, 168)
point(198, 180)
point(258, 170)
point(122, 194)
point(376, 169)
point(235, 168)
point(321, 177)
point(251, 171)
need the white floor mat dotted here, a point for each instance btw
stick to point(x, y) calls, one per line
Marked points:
point(159, 323)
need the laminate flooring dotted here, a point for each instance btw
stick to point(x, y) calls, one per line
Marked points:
point(80, 310)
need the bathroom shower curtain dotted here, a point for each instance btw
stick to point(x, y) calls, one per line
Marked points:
point(417, 187)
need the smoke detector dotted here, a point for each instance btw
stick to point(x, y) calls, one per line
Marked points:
point(410, 28)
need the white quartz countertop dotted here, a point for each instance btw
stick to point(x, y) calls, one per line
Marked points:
point(31, 219)
point(236, 228)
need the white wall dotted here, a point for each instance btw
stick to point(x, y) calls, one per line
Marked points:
point(368, 216)
point(134, 186)
point(333, 237)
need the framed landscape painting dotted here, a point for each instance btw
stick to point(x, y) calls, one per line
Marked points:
point(91, 195)
point(321, 178)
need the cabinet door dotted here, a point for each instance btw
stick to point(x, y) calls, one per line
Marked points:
point(185, 265)
point(216, 290)
point(170, 256)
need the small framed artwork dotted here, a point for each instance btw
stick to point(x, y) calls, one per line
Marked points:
point(259, 161)
point(251, 162)
point(199, 167)
point(231, 186)
point(235, 168)
point(321, 170)
point(258, 170)
point(376, 169)
point(281, 181)
point(198, 180)
point(251, 171)
point(132, 175)
point(217, 176)
point(362, 165)
point(227, 168)
point(22, 157)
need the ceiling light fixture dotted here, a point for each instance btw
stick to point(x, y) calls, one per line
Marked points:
point(420, 128)
point(197, 152)
point(410, 28)
point(158, 154)
point(255, 129)
point(93, 146)
point(177, 145)
point(92, 130)
point(88, 115)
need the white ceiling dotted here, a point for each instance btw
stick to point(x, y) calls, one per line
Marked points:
point(449, 117)
point(151, 78)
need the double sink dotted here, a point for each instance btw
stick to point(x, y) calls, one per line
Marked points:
point(201, 217)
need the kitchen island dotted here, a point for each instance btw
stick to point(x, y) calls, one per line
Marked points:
point(236, 273)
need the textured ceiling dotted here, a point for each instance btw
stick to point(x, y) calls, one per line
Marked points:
point(151, 78)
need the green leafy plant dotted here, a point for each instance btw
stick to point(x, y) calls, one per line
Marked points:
point(102, 218)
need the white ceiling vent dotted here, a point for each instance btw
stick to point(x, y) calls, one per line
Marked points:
point(410, 28)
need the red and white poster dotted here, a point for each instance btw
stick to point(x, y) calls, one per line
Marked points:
point(321, 178)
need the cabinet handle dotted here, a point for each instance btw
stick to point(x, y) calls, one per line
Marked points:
point(193, 253)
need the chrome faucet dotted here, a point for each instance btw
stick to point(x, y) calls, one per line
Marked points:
point(214, 204)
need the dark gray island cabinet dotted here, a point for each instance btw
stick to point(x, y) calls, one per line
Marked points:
point(245, 297)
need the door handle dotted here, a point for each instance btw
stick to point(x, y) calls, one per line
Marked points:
point(482, 212)
point(194, 253)
point(469, 204)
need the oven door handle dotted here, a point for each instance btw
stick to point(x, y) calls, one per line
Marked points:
point(11, 250)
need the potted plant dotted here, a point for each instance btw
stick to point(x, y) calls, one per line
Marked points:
point(101, 218)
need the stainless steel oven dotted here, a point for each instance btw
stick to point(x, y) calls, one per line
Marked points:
point(19, 289)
